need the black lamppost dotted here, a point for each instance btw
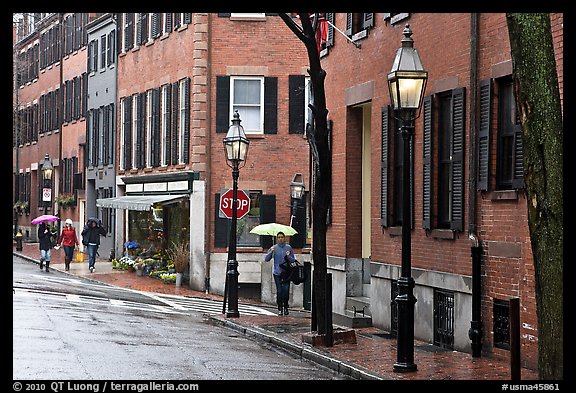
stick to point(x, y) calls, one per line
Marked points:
point(236, 148)
point(407, 83)
point(47, 169)
point(296, 193)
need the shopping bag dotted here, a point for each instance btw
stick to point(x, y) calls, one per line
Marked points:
point(79, 256)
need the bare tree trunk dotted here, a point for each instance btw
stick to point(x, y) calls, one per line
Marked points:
point(538, 101)
point(319, 143)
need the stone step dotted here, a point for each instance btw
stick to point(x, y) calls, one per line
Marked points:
point(351, 320)
point(359, 303)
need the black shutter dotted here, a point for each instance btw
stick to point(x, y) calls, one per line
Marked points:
point(127, 143)
point(267, 214)
point(224, 15)
point(368, 21)
point(155, 146)
point(296, 104)
point(270, 105)
point(518, 162)
point(220, 225)
point(142, 128)
point(168, 22)
point(349, 17)
point(484, 128)
point(187, 17)
point(175, 117)
point(222, 103)
point(299, 223)
point(427, 160)
point(186, 130)
point(458, 132)
point(128, 31)
point(168, 137)
point(385, 115)
point(330, 35)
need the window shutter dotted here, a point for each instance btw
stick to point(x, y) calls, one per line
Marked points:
point(349, 17)
point(168, 22)
point(129, 31)
point(156, 19)
point(90, 54)
point(220, 225)
point(224, 15)
point(142, 128)
point(368, 21)
point(458, 131)
point(296, 104)
point(222, 103)
point(127, 132)
point(427, 150)
point(186, 130)
point(187, 17)
point(384, 166)
point(330, 35)
point(484, 128)
point(167, 141)
point(518, 170)
point(270, 105)
point(175, 117)
point(106, 135)
point(267, 214)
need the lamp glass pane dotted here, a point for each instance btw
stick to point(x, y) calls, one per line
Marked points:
point(410, 91)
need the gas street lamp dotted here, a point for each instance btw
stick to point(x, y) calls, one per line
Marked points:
point(236, 149)
point(47, 169)
point(407, 83)
point(296, 193)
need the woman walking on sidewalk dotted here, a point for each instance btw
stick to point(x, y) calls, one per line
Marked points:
point(91, 237)
point(279, 252)
point(69, 240)
point(44, 236)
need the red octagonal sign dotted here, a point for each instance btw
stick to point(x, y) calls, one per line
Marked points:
point(227, 200)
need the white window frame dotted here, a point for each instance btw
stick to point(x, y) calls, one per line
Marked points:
point(149, 129)
point(181, 119)
point(165, 110)
point(257, 16)
point(233, 106)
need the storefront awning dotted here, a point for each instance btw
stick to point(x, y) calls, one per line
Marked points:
point(138, 202)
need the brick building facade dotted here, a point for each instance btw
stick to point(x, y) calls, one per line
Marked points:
point(449, 219)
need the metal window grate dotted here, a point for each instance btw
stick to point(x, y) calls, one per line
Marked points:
point(444, 318)
point(501, 321)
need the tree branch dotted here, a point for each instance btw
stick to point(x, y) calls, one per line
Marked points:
point(295, 27)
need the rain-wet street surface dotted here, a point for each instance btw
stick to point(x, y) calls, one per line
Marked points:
point(67, 328)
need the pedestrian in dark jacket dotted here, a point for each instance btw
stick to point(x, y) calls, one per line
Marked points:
point(91, 237)
point(280, 252)
point(44, 237)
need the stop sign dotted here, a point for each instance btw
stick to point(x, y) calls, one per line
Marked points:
point(227, 201)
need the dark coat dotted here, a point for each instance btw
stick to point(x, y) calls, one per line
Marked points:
point(92, 234)
point(44, 237)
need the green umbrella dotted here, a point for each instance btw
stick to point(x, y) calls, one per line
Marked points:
point(272, 229)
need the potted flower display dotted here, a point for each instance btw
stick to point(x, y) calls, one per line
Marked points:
point(139, 266)
point(179, 253)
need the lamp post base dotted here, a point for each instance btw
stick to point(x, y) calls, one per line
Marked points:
point(405, 367)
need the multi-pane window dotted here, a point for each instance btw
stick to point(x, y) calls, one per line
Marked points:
point(443, 167)
point(358, 22)
point(506, 141)
point(246, 95)
point(509, 166)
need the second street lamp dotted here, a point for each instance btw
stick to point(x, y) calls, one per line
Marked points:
point(407, 83)
point(296, 193)
point(47, 169)
point(236, 148)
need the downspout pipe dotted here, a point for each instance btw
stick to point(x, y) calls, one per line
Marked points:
point(475, 331)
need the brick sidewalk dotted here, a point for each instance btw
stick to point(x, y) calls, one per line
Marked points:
point(372, 357)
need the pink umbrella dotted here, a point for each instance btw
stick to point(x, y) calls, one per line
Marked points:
point(45, 218)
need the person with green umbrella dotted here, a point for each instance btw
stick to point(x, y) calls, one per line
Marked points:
point(281, 251)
